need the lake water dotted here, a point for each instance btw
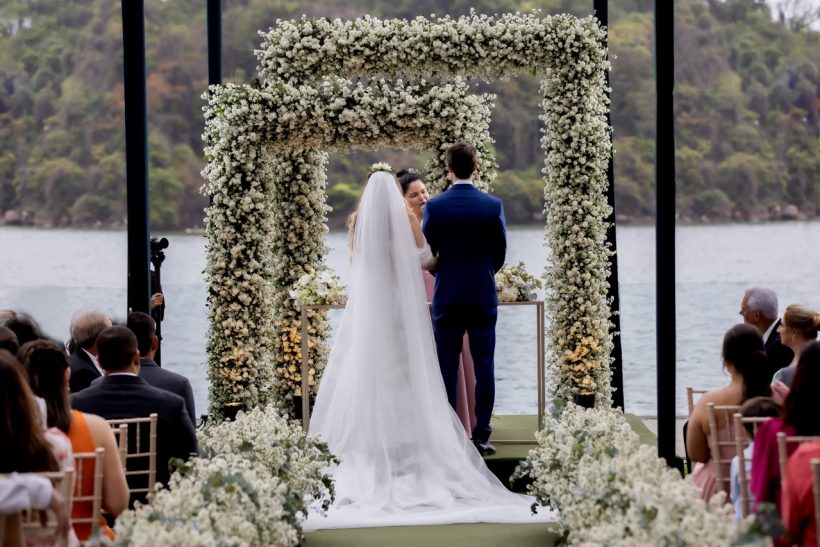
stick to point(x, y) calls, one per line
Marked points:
point(51, 274)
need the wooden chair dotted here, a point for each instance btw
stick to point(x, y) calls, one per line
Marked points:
point(690, 397)
point(32, 527)
point(136, 452)
point(815, 471)
point(783, 441)
point(722, 450)
point(82, 465)
point(741, 443)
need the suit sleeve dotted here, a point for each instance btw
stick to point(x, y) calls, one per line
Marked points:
point(186, 438)
point(189, 401)
point(428, 229)
point(500, 244)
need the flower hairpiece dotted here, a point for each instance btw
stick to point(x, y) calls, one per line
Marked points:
point(381, 166)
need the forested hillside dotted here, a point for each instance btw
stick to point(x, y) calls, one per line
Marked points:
point(747, 89)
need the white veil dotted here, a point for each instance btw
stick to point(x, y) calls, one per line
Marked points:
point(382, 406)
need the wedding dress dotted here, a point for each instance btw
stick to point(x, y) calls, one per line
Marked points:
point(382, 406)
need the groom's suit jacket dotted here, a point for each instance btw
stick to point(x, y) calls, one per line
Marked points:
point(465, 227)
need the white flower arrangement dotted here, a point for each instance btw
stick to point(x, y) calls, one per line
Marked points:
point(223, 500)
point(250, 485)
point(611, 490)
point(321, 287)
point(265, 146)
point(516, 284)
point(380, 166)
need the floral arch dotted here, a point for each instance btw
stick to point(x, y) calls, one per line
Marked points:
point(266, 143)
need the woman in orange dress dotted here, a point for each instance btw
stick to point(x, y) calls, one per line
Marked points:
point(48, 374)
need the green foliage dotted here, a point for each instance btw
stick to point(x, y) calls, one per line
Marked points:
point(747, 95)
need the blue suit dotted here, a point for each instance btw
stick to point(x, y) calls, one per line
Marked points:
point(465, 228)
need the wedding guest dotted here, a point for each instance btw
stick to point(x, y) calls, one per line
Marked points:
point(8, 340)
point(798, 329)
point(746, 364)
point(756, 407)
point(759, 309)
point(415, 195)
point(799, 417)
point(85, 328)
point(20, 492)
point(145, 328)
point(26, 445)
point(48, 374)
point(123, 394)
point(24, 328)
point(798, 498)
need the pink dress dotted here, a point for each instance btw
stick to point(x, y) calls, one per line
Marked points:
point(465, 387)
point(704, 473)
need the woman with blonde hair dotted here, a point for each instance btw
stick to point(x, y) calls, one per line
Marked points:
point(797, 330)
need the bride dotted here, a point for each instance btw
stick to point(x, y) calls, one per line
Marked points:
point(382, 406)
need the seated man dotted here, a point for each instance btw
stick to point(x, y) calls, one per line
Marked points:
point(144, 328)
point(83, 359)
point(123, 394)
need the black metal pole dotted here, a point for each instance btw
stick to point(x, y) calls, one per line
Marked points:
point(665, 226)
point(601, 8)
point(214, 42)
point(136, 153)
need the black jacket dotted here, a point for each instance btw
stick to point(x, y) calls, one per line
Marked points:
point(83, 371)
point(125, 396)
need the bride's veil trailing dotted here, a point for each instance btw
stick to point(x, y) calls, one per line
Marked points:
point(381, 406)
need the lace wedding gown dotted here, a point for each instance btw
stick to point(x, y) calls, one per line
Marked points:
point(382, 406)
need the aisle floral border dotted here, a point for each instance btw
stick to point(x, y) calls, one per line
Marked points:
point(266, 173)
point(612, 490)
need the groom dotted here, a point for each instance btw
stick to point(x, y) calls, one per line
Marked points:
point(465, 228)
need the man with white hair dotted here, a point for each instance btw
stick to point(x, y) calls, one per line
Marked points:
point(759, 309)
point(85, 328)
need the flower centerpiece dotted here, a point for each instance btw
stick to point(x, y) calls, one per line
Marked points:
point(516, 284)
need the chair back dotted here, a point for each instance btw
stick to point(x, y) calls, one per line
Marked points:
point(121, 437)
point(723, 450)
point(63, 482)
point(82, 465)
point(783, 442)
point(690, 397)
point(140, 461)
point(815, 472)
point(741, 442)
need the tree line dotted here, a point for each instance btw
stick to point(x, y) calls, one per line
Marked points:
point(746, 99)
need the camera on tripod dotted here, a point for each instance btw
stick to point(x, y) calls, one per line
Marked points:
point(158, 244)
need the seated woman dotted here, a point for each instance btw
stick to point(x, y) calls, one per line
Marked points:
point(799, 515)
point(25, 446)
point(797, 329)
point(48, 374)
point(745, 361)
point(800, 417)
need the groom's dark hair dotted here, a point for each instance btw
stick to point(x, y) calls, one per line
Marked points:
point(462, 160)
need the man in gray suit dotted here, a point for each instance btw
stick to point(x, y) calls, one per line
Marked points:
point(145, 329)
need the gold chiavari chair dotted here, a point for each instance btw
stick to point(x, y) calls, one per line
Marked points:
point(815, 472)
point(690, 397)
point(723, 450)
point(121, 437)
point(136, 473)
point(82, 465)
point(783, 442)
point(32, 527)
point(741, 443)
